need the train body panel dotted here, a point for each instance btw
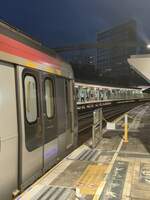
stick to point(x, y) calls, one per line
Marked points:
point(8, 132)
point(38, 121)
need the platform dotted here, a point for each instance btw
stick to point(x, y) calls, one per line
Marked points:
point(114, 170)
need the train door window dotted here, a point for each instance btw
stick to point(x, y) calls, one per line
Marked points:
point(30, 98)
point(49, 98)
point(61, 105)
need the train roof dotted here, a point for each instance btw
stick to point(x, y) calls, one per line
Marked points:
point(19, 48)
point(102, 86)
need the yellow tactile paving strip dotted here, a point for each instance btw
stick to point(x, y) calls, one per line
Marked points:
point(91, 179)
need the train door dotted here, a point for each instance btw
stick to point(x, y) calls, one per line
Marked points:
point(38, 140)
point(31, 136)
point(69, 113)
point(49, 120)
point(63, 115)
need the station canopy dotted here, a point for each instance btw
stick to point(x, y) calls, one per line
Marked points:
point(141, 64)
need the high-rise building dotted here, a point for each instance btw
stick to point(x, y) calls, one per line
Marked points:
point(83, 59)
point(121, 42)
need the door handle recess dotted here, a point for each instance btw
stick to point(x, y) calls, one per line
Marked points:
point(0, 144)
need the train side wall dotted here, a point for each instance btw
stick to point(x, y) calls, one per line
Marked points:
point(8, 132)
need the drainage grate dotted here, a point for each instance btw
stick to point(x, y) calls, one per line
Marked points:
point(53, 193)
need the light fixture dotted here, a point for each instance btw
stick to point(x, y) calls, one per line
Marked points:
point(148, 46)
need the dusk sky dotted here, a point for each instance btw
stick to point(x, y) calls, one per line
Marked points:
point(62, 22)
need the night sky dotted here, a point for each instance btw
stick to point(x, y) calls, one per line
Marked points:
point(63, 22)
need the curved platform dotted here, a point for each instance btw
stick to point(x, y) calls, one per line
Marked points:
point(113, 170)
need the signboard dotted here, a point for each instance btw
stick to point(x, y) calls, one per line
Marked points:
point(111, 126)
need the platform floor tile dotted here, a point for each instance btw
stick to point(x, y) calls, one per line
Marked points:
point(91, 179)
point(114, 187)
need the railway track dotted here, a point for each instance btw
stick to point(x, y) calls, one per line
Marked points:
point(85, 119)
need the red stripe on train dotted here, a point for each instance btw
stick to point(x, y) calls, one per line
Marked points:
point(16, 48)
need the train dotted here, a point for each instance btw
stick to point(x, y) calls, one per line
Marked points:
point(94, 93)
point(38, 116)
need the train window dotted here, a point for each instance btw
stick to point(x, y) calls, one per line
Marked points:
point(49, 99)
point(30, 98)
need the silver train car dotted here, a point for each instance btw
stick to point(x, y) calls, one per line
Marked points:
point(90, 93)
point(38, 118)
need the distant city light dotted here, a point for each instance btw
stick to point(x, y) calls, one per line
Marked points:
point(148, 46)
